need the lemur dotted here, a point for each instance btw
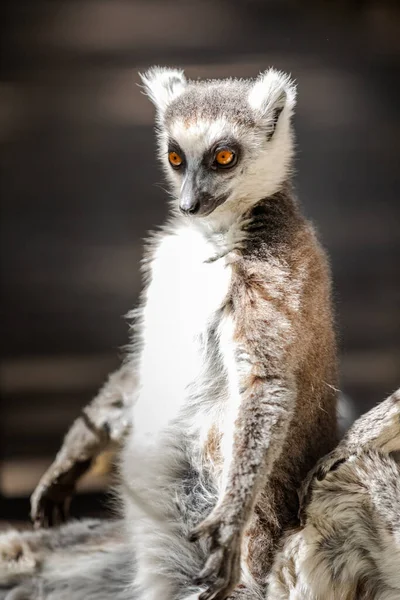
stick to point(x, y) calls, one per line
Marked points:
point(234, 346)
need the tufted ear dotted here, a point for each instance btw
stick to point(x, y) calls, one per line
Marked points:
point(271, 93)
point(162, 85)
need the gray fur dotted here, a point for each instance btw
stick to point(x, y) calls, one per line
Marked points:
point(211, 100)
point(103, 425)
point(86, 560)
point(378, 429)
point(349, 547)
point(99, 577)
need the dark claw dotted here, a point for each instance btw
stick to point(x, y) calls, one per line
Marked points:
point(194, 536)
point(207, 595)
point(210, 595)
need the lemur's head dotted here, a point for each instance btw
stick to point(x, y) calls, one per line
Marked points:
point(222, 141)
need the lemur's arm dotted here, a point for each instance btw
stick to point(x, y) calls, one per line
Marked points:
point(262, 398)
point(102, 424)
point(378, 429)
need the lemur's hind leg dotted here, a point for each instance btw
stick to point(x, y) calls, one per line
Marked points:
point(165, 497)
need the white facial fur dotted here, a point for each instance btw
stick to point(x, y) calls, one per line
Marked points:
point(197, 115)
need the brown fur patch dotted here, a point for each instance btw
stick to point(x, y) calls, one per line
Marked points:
point(212, 446)
point(281, 306)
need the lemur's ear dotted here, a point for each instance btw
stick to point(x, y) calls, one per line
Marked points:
point(162, 85)
point(271, 93)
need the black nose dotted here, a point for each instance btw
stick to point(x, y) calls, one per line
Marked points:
point(190, 209)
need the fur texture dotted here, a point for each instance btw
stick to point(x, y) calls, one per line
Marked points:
point(244, 399)
point(103, 424)
point(349, 547)
point(378, 429)
point(88, 560)
point(109, 420)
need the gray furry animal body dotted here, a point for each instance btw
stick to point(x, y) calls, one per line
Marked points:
point(234, 346)
point(347, 549)
point(86, 560)
point(349, 546)
point(244, 399)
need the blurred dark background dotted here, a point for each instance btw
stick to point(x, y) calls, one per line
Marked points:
point(78, 176)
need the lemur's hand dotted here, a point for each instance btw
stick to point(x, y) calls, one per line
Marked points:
point(52, 497)
point(102, 425)
point(221, 573)
point(327, 463)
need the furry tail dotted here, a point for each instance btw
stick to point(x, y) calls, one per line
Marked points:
point(84, 560)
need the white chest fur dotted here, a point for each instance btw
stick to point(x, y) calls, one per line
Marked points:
point(183, 299)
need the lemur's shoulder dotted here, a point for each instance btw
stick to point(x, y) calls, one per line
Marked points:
point(273, 226)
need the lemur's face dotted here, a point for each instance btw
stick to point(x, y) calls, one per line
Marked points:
point(204, 160)
point(222, 141)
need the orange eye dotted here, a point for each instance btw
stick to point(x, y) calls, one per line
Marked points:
point(174, 159)
point(224, 157)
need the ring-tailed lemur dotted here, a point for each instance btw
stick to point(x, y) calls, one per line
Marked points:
point(234, 346)
point(234, 343)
